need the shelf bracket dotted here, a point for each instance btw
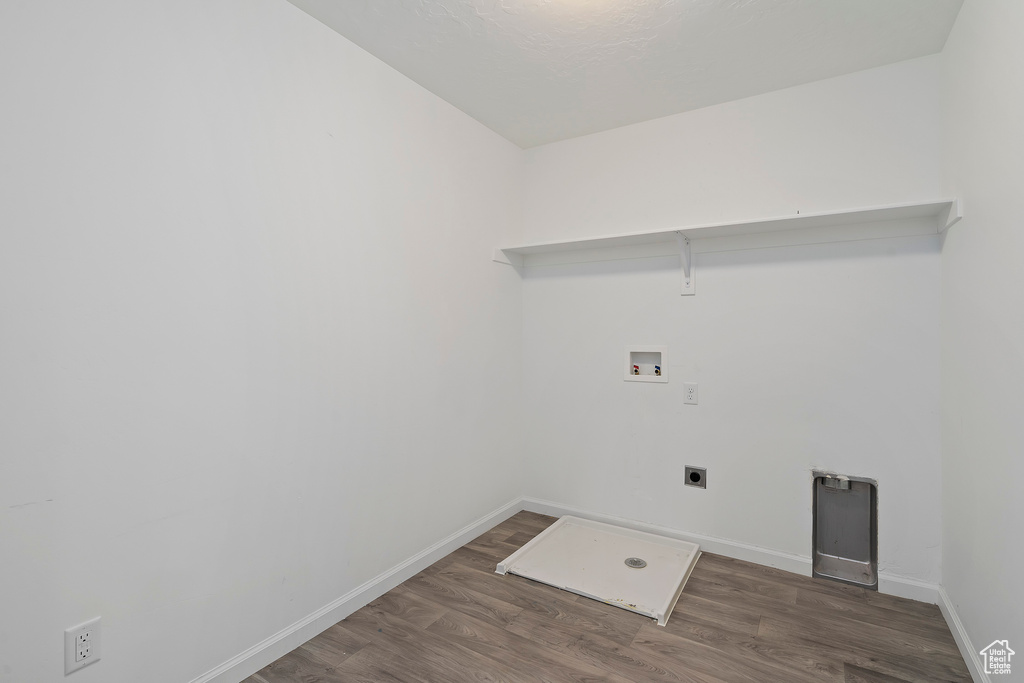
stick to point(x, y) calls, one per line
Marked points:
point(952, 216)
point(689, 281)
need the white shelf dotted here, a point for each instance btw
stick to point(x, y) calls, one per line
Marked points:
point(899, 220)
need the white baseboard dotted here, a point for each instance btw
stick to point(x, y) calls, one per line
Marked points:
point(887, 583)
point(287, 639)
point(967, 650)
point(906, 587)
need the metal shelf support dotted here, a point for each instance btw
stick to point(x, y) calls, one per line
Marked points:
point(686, 257)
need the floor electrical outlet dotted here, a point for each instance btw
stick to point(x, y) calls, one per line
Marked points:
point(81, 645)
point(691, 393)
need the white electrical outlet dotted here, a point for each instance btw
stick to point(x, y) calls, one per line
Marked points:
point(691, 393)
point(81, 645)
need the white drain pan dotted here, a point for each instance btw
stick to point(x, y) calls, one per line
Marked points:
point(589, 558)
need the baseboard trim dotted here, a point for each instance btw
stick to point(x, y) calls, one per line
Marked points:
point(906, 587)
point(890, 584)
point(963, 641)
point(287, 639)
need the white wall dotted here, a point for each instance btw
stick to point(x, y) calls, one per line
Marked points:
point(814, 356)
point(252, 349)
point(983, 323)
point(868, 138)
point(249, 332)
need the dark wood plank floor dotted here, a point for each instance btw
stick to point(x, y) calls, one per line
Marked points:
point(736, 621)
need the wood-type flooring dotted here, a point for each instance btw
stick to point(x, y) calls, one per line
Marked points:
point(735, 622)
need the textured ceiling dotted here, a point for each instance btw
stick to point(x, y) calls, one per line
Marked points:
point(537, 71)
